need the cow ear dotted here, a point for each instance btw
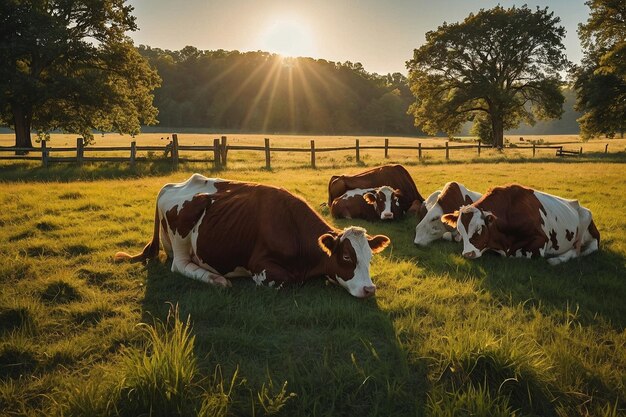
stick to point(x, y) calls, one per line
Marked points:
point(451, 219)
point(378, 243)
point(370, 198)
point(327, 243)
point(422, 212)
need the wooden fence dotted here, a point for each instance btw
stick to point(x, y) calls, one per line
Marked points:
point(220, 149)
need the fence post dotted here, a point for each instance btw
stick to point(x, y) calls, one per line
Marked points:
point(606, 148)
point(79, 151)
point(358, 151)
point(44, 154)
point(581, 151)
point(479, 147)
point(224, 150)
point(447, 151)
point(133, 153)
point(217, 158)
point(533, 150)
point(419, 151)
point(313, 154)
point(268, 165)
point(175, 151)
point(386, 148)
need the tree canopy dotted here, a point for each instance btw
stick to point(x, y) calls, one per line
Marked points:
point(601, 79)
point(68, 65)
point(497, 68)
point(263, 92)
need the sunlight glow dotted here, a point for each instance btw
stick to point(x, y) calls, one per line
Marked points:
point(289, 37)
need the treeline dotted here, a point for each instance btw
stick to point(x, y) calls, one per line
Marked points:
point(263, 92)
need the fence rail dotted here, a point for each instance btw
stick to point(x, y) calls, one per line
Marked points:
point(220, 149)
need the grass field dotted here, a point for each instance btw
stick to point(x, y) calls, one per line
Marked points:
point(445, 336)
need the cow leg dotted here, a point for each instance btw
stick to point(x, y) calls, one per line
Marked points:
point(588, 243)
point(185, 266)
point(534, 246)
point(270, 274)
point(564, 257)
point(589, 247)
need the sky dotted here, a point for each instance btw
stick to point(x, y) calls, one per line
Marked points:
point(381, 35)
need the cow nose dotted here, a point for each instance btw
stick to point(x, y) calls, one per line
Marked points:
point(369, 290)
point(387, 216)
point(469, 255)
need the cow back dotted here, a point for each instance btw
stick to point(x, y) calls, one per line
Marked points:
point(395, 176)
point(249, 221)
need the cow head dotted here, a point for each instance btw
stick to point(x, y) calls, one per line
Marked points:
point(475, 228)
point(431, 227)
point(385, 201)
point(349, 256)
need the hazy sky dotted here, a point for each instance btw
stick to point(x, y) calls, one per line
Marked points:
point(379, 34)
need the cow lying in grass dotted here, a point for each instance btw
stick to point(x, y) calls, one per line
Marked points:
point(452, 197)
point(214, 229)
point(517, 221)
point(370, 204)
point(394, 176)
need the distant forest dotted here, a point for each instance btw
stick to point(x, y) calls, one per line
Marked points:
point(263, 92)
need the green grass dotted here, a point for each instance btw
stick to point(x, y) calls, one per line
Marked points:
point(445, 336)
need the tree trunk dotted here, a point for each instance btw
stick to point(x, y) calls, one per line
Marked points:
point(21, 123)
point(497, 126)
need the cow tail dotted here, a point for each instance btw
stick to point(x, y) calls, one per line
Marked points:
point(150, 251)
point(331, 197)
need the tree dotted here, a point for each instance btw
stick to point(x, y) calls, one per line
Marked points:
point(601, 79)
point(67, 64)
point(499, 66)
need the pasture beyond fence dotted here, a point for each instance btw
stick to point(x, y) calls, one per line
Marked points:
point(220, 149)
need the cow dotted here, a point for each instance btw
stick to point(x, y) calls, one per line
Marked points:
point(370, 204)
point(215, 229)
point(395, 176)
point(514, 220)
point(452, 197)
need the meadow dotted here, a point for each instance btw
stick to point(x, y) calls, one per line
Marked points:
point(445, 336)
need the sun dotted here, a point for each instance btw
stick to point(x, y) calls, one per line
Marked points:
point(289, 37)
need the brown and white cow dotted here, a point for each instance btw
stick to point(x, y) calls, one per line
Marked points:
point(517, 221)
point(215, 229)
point(445, 201)
point(370, 204)
point(394, 176)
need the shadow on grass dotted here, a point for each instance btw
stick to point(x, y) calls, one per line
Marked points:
point(590, 288)
point(339, 354)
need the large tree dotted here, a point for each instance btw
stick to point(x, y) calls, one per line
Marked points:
point(69, 65)
point(601, 79)
point(497, 68)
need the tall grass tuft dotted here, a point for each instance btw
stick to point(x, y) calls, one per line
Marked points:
point(217, 399)
point(159, 381)
point(472, 401)
point(508, 367)
point(270, 401)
